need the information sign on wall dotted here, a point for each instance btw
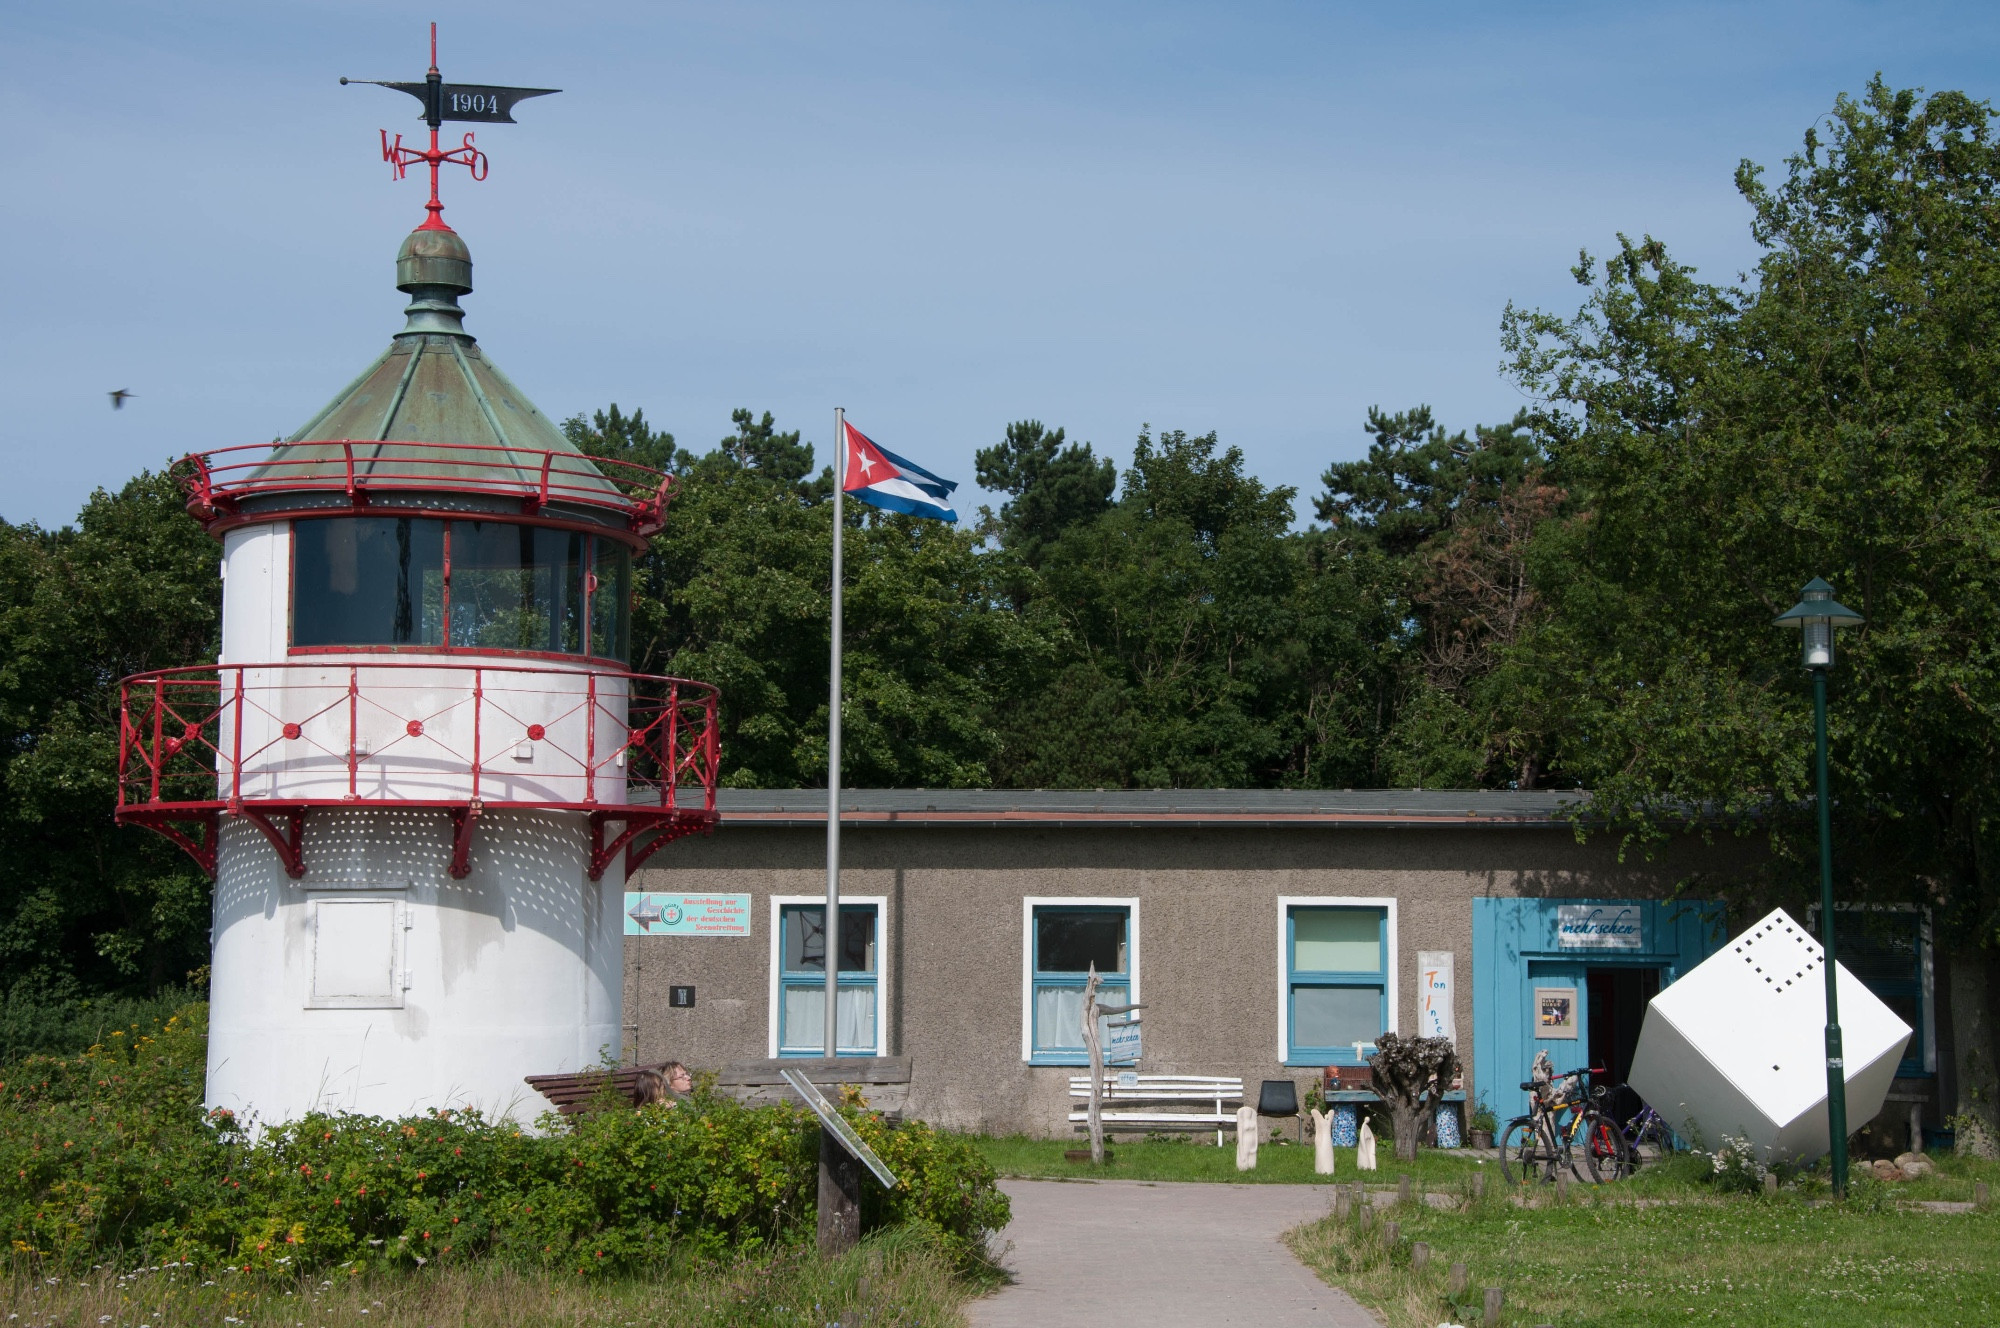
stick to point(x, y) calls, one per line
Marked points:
point(1555, 1012)
point(1434, 996)
point(1600, 927)
point(649, 914)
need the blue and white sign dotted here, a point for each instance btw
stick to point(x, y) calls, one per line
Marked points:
point(1600, 927)
point(650, 914)
point(1121, 1041)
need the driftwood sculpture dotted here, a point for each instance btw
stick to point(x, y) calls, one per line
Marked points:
point(1411, 1076)
point(1364, 1148)
point(1094, 1045)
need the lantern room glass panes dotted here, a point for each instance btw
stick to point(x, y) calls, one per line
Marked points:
point(368, 581)
point(487, 586)
point(516, 587)
point(802, 981)
point(610, 599)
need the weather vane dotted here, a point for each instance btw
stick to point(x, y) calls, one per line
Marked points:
point(477, 102)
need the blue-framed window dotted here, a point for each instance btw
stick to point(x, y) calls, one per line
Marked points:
point(1885, 949)
point(802, 981)
point(1065, 940)
point(1336, 981)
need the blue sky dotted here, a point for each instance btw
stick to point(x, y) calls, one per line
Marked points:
point(1257, 219)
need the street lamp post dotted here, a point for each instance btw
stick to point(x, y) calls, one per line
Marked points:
point(1815, 616)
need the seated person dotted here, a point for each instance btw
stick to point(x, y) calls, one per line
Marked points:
point(664, 1085)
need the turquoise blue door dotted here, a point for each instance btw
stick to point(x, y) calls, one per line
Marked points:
point(1532, 962)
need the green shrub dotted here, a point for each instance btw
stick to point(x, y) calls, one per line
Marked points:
point(108, 1157)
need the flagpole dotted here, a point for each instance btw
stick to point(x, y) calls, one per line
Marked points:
point(831, 929)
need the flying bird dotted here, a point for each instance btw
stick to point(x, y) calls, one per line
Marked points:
point(118, 398)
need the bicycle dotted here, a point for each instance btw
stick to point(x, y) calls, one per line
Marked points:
point(1563, 1131)
point(1646, 1126)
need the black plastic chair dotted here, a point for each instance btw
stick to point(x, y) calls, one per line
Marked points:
point(1280, 1097)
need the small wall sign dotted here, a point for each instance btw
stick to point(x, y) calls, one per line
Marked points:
point(1121, 1041)
point(680, 998)
point(1600, 927)
point(649, 914)
point(1555, 1012)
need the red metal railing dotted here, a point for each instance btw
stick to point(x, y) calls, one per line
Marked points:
point(270, 742)
point(217, 481)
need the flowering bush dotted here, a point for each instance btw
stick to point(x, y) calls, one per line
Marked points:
point(109, 1157)
point(1735, 1166)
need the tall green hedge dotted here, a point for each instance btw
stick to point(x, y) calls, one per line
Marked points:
point(109, 1157)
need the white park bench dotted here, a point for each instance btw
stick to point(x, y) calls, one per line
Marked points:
point(1160, 1101)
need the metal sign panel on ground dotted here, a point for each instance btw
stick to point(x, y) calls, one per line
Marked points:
point(841, 1129)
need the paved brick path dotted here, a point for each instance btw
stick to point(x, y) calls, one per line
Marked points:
point(1106, 1254)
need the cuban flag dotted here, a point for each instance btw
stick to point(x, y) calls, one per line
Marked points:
point(881, 478)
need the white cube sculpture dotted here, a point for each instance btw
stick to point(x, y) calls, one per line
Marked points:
point(1738, 1046)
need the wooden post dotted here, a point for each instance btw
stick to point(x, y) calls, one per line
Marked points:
point(1420, 1256)
point(1460, 1280)
point(1770, 1183)
point(1391, 1233)
point(1979, 1193)
point(839, 1196)
point(1403, 1188)
point(1343, 1204)
point(1095, 1046)
point(1492, 1312)
point(1562, 1186)
point(1479, 1185)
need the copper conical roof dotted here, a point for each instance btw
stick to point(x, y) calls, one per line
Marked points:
point(434, 385)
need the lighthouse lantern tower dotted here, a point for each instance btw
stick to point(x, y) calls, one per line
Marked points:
point(422, 767)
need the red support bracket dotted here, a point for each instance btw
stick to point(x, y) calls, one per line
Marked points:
point(670, 824)
point(462, 820)
point(197, 840)
point(290, 841)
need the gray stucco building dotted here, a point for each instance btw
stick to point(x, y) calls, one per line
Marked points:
point(1267, 932)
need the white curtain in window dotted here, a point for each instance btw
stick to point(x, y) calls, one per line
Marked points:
point(1059, 1018)
point(805, 1019)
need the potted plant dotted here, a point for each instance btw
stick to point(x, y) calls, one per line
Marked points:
point(1483, 1124)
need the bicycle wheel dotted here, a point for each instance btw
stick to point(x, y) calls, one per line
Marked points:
point(1525, 1155)
point(1599, 1146)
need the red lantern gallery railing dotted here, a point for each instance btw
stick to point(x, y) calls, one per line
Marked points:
point(271, 742)
point(218, 481)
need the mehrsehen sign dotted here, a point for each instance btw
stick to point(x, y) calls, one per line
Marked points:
point(837, 1125)
point(1121, 1040)
point(1599, 927)
point(650, 914)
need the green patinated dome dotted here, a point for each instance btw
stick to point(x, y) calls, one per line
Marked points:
point(434, 256)
point(433, 385)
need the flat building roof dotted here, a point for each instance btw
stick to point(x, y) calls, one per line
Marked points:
point(1240, 808)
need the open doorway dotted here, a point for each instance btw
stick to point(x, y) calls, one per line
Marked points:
point(1617, 1007)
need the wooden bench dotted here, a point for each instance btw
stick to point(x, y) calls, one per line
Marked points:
point(884, 1081)
point(1173, 1102)
point(573, 1093)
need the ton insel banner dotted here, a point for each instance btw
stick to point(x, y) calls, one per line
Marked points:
point(653, 914)
point(1434, 996)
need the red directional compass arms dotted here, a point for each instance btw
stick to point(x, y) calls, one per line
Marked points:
point(480, 103)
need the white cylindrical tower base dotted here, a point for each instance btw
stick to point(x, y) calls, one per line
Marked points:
point(378, 984)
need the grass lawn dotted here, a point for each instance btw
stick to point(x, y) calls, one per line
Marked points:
point(1290, 1164)
point(1607, 1257)
point(888, 1281)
